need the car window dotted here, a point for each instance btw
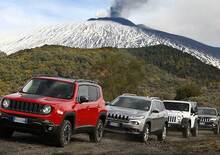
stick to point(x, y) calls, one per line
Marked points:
point(159, 106)
point(83, 91)
point(154, 105)
point(93, 93)
point(49, 88)
point(177, 106)
point(132, 103)
point(207, 112)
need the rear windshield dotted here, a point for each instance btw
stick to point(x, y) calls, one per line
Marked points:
point(176, 106)
point(207, 112)
point(133, 103)
point(49, 88)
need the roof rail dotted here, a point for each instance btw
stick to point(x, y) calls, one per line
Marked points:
point(128, 94)
point(83, 80)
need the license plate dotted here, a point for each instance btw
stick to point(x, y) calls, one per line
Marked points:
point(114, 124)
point(20, 120)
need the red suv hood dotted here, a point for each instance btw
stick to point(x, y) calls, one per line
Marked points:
point(36, 99)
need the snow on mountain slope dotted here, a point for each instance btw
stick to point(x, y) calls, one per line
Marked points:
point(111, 32)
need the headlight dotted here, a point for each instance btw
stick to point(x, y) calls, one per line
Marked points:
point(179, 118)
point(213, 119)
point(6, 103)
point(137, 117)
point(46, 109)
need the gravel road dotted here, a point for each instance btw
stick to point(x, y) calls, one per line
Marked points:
point(113, 144)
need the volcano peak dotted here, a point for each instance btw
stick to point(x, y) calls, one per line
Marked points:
point(119, 20)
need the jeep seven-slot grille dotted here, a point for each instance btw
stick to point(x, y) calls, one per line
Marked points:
point(205, 119)
point(118, 117)
point(25, 107)
point(172, 119)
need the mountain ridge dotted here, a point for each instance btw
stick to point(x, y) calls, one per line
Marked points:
point(112, 32)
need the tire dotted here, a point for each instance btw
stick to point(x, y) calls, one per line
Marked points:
point(217, 129)
point(195, 130)
point(163, 134)
point(97, 134)
point(145, 134)
point(64, 134)
point(186, 131)
point(6, 133)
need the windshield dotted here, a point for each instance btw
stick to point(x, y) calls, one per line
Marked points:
point(49, 88)
point(176, 106)
point(133, 103)
point(207, 112)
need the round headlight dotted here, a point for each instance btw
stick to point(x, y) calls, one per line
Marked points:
point(46, 109)
point(6, 103)
point(179, 118)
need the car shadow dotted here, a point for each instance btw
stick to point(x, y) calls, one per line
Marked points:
point(124, 137)
point(41, 140)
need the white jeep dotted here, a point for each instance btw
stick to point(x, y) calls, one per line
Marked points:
point(182, 115)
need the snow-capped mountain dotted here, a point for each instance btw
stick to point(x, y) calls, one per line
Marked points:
point(111, 32)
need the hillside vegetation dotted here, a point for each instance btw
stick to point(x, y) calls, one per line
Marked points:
point(153, 71)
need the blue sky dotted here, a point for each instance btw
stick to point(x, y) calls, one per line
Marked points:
point(197, 19)
point(20, 16)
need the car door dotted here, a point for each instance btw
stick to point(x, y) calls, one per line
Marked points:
point(154, 117)
point(82, 118)
point(161, 114)
point(94, 96)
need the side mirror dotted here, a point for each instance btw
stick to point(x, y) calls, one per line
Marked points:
point(83, 99)
point(107, 103)
point(218, 114)
point(155, 111)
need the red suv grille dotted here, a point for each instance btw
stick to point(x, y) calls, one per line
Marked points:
point(25, 107)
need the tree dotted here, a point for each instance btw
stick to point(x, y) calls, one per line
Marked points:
point(118, 73)
point(188, 90)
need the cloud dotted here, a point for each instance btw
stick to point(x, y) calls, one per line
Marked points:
point(23, 16)
point(198, 19)
point(123, 8)
point(102, 13)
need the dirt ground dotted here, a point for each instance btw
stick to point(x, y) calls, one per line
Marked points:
point(113, 144)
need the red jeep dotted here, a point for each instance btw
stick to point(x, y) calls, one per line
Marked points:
point(57, 107)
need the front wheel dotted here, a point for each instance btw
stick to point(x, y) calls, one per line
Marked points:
point(195, 130)
point(163, 134)
point(186, 131)
point(217, 129)
point(97, 134)
point(145, 134)
point(6, 133)
point(64, 134)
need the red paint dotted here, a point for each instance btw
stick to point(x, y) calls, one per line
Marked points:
point(85, 114)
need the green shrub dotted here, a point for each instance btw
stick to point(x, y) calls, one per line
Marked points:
point(188, 90)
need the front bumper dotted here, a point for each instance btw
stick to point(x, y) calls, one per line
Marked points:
point(130, 127)
point(208, 125)
point(32, 125)
point(173, 126)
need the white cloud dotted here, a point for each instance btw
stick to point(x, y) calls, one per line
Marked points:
point(17, 19)
point(102, 13)
point(198, 19)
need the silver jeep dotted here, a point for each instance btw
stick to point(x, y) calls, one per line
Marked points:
point(138, 115)
point(209, 118)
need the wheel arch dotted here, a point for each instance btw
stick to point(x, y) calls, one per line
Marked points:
point(103, 117)
point(70, 116)
point(148, 121)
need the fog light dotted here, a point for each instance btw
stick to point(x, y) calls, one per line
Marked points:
point(135, 122)
point(60, 112)
point(50, 128)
